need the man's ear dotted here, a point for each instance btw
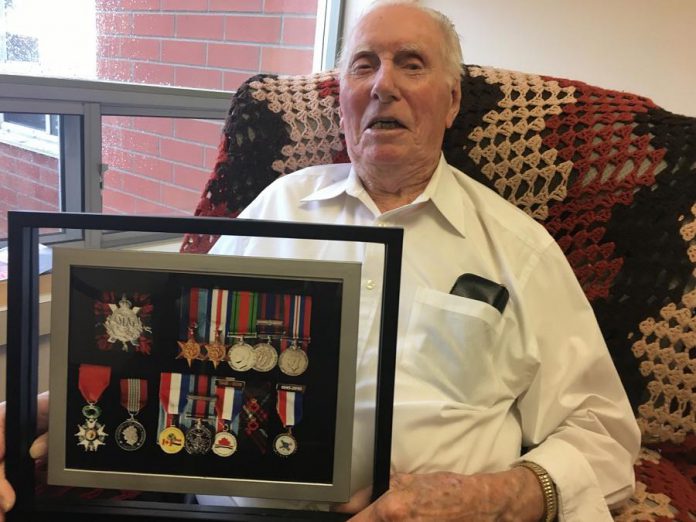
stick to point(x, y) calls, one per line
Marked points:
point(455, 101)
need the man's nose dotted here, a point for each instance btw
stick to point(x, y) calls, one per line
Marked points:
point(385, 87)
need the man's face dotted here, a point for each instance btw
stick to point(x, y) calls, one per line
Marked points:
point(397, 96)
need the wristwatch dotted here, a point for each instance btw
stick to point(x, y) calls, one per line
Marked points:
point(548, 489)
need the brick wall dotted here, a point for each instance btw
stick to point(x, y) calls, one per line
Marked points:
point(160, 165)
point(28, 181)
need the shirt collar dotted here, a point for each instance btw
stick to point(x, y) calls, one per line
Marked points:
point(443, 191)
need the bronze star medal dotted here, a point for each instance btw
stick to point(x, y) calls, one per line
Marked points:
point(189, 350)
point(216, 351)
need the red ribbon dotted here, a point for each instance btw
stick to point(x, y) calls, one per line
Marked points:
point(93, 380)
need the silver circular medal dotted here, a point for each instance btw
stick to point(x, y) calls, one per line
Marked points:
point(293, 361)
point(285, 445)
point(130, 435)
point(241, 357)
point(225, 444)
point(199, 439)
point(266, 357)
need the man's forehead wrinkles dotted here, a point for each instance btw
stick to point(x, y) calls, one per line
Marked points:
point(404, 49)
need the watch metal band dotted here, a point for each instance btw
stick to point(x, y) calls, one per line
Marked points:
point(548, 489)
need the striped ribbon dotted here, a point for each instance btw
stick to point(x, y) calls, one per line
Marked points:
point(289, 404)
point(219, 300)
point(172, 394)
point(297, 315)
point(195, 312)
point(242, 312)
point(229, 406)
point(133, 394)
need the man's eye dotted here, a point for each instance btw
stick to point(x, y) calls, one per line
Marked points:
point(361, 67)
point(413, 66)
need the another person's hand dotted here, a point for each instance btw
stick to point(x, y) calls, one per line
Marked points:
point(508, 495)
point(38, 450)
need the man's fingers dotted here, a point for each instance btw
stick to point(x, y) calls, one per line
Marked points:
point(7, 494)
point(39, 448)
point(359, 501)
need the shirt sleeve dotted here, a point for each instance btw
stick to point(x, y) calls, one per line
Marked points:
point(575, 414)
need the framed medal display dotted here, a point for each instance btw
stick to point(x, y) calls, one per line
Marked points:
point(183, 373)
point(203, 374)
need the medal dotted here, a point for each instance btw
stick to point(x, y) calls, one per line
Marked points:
point(293, 359)
point(125, 322)
point(130, 434)
point(230, 395)
point(172, 394)
point(190, 350)
point(92, 381)
point(289, 408)
point(265, 356)
point(216, 350)
point(199, 439)
point(199, 436)
point(255, 416)
point(243, 307)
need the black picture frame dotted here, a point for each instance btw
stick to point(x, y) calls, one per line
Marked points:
point(22, 358)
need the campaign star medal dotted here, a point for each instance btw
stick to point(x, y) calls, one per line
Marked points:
point(123, 324)
point(230, 396)
point(92, 381)
point(216, 351)
point(293, 360)
point(189, 350)
point(289, 408)
point(172, 396)
point(130, 434)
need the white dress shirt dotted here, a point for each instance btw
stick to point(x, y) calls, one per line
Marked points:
point(472, 385)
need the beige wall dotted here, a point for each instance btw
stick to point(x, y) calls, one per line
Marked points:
point(645, 47)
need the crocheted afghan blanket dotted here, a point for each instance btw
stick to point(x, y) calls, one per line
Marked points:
point(611, 176)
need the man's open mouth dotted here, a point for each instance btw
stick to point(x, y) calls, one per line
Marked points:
point(385, 123)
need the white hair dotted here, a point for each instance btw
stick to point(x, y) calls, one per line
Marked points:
point(452, 51)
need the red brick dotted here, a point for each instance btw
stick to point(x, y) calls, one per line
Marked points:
point(28, 171)
point(155, 168)
point(140, 48)
point(133, 5)
point(116, 202)
point(263, 29)
point(230, 6)
point(198, 78)
point(184, 5)
point(188, 177)
point(140, 142)
point(190, 53)
point(46, 194)
point(141, 187)
point(180, 198)
point(150, 208)
point(232, 80)
point(117, 70)
point(153, 25)
point(117, 158)
point(46, 161)
point(210, 157)
point(161, 126)
point(113, 178)
point(286, 61)
point(230, 56)
point(291, 6)
point(108, 46)
point(201, 131)
point(206, 27)
point(114, 23)
point(177, 150)
point(49, 176)
point(299, 31)
point(154, 73)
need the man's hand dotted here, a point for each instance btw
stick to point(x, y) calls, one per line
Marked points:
point(38, 450)
point(513, 495)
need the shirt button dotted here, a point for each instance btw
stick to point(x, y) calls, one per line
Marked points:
point(370, 284)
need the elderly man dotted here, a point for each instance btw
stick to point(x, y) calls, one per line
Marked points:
point(474, 385)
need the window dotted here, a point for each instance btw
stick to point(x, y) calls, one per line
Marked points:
point(78, 93)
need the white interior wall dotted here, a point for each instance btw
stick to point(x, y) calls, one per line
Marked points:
point(639, 46)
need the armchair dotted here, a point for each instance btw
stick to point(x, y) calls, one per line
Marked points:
point(611, 175)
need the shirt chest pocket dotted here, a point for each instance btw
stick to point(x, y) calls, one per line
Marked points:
point(446, 354)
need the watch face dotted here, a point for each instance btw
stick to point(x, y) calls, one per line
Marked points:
point(285, 445)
